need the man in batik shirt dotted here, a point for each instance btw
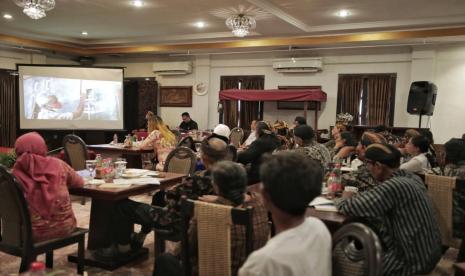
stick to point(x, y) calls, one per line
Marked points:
point(305, 138)
point(408, 228)
point(127, 212)
point(455, 158)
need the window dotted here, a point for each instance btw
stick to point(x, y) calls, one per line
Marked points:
point(370, 98)
point(241, 113)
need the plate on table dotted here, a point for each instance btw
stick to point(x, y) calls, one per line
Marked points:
point(347, 169)
point(133, 173)
point(152, 173)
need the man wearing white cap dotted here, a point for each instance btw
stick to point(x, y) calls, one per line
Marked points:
point(222, 130)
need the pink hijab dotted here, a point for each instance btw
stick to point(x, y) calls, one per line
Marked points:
point(39, 174)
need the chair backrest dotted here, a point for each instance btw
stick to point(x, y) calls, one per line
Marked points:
point(232, 153)
point(356, 251)
point(180, 160)
point(440, 190)
point(213, 243)
point(75, 151)
point(15, 222)
point(236, 136)
point(187, 142)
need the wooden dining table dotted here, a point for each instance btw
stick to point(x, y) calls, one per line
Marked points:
point(103, 201)
point(133, 155)
point(332, 220)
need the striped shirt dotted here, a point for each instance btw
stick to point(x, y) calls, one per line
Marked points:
point(407, 224)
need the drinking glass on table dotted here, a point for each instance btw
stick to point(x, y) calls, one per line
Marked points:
point(120, 168)
point(197, 147)
point(90, 166)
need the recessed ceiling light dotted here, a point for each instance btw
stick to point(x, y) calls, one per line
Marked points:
point(343, 13)
point(84, 33)
point(200, 24)
point(147, 79)
point(7, 16)
point(138, 3)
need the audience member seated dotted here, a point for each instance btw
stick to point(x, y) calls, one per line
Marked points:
point(431, 155)
point(281, 130)
point(343, 121)
point(45, 181)
point(127, 212)
point(222, 130)
point(402, 212)
point(187, 123)
point(409, 133)
point(299, 121)
point(388, 136)
point(417, 147)
point(252, 137)
point(266, 142)
point(362, 178)
point(160, 139)
point(455, 167)
point(305, 139)
point(345, 146)
point(301, 246)
point(229, 184)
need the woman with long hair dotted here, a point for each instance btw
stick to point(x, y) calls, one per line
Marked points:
point(160, 139)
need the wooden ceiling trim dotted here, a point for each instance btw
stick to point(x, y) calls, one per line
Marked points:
point(245, 43)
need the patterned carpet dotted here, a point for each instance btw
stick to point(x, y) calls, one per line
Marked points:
point(9, 265)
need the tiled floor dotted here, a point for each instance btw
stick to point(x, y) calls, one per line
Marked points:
point(9, 265)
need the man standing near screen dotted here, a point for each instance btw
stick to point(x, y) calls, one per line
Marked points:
point(187, 123)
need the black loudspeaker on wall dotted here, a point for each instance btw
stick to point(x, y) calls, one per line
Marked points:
point(422, 98)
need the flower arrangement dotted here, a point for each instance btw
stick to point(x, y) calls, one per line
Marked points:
point(8, 159)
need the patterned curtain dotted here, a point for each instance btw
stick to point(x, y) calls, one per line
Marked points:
point(251, 110)
point(349, 93)
point(7, 109)
point(380, 91)
point(230, 108)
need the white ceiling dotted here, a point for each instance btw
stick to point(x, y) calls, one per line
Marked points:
point(113, 23)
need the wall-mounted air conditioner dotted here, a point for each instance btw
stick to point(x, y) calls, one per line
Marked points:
point(298, 65)
point(172, 68)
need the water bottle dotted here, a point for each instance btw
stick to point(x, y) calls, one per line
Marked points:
point(36, 269)
point(334, 181)
point(115, 139)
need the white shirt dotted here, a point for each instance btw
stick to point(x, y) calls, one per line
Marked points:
point(303, 250)
point(250, 139)
point(417, 164)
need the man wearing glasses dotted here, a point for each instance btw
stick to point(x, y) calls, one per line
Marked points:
point(403, 211)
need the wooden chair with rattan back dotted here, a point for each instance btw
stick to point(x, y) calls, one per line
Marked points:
point(180, 160)
point(214, 223)
point(16, 232)
point(441, 190)
point(75, 151)
point(236, 136)
point(356, 251)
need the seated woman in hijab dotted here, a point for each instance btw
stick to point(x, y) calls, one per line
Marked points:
point(45, 181)
point(160, 139)
point(281, 130)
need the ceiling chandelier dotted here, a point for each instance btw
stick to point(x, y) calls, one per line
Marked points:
point(35, 9)
point(241, 24)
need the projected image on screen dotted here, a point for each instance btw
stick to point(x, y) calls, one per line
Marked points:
point(57, 97)
point(48, 98)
